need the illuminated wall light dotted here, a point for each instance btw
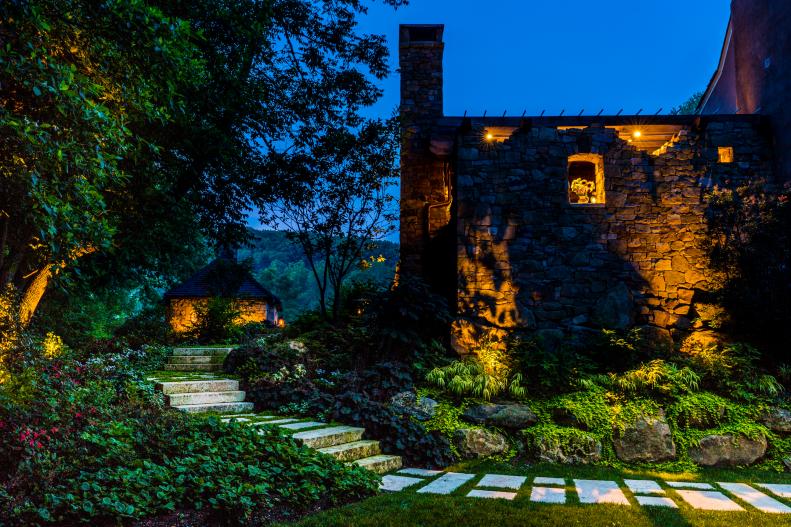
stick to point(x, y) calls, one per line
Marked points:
point(490, 136)
point(725, 154)
point(637, 134)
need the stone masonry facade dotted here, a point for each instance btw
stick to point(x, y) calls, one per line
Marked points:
point(487, 219)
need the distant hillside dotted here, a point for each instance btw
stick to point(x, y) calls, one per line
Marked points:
point(280, 266)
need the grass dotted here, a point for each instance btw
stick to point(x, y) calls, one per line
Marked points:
point(408, 508)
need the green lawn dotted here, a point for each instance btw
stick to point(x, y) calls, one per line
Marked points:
point(408, 508)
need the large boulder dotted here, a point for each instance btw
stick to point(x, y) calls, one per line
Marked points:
point(646, 440)
point(726, 450)
point(777, 420)
point(580, 449)
point(512, 416)
point(615, 309)
point(408, 403)
point(477, 442)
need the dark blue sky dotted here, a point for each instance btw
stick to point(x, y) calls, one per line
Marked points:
point(532, 55)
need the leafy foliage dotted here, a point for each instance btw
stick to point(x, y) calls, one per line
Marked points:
point(749, 245)
point(470, 378)
point(215, 321)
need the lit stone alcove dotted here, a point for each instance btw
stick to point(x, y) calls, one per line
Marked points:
point(585, 174)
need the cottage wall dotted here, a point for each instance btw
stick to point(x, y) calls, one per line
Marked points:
point(182, 313)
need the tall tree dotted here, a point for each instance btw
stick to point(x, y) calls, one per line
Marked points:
point(121, 119)
point(337, 215)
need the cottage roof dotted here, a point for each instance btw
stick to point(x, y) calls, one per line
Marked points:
point(223, 277)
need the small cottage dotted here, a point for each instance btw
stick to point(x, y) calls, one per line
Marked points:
point(226, 278)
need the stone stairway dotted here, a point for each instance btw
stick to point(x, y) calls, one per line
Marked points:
point(197, 359)
point(198, 389)
point(344, 443)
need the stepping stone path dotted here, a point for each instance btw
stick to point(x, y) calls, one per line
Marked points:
point(547, 490)
point(198, 388)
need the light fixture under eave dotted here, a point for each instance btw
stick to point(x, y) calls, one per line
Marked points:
point(637, 134)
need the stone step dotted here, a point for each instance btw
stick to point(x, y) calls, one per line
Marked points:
point(214, 385)
point(353, 451)
point(193, 367)
point(178, 399)
point(201, 351)
point(379, 464)
point(195, 359)
point(226, 408)
point(326, 437)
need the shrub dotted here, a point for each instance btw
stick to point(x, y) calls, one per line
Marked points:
point(549, 370)
point(406, 437)
point(215, 321)
point(750, 244)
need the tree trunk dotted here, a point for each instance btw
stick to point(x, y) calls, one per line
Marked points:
point(38, 286)
point(33, 293)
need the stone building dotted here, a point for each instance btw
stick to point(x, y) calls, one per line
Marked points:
point(563, 225)
point(225, 278)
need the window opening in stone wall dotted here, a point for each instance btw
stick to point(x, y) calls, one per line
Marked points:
point(726, 154)
point(586, 179)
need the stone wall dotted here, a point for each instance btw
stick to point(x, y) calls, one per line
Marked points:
point(529, 259)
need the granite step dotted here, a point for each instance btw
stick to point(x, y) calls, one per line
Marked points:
point(201, 351)
point(178, 399)
point(327, 437)
point(226, 408)
point(193, 367)
point(214, 385)
point(353, 451)
point(379, 464)
point(195, 359)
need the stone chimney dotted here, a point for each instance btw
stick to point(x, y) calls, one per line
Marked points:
point(424, 182)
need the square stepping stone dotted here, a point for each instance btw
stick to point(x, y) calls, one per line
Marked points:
point(779, 489)
point(757, 499)
point(491, 494)
point(499, 481)
point(447, 483)
point(549, 481)
point(708, 500)
point(237, 419)
point(397, 483)
point(656, 501)
point(689, 485)
point(599, 491)
point(422, 472)
point(643, 486)
point(300, 426)
point(276, 422)
point(548, 495)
